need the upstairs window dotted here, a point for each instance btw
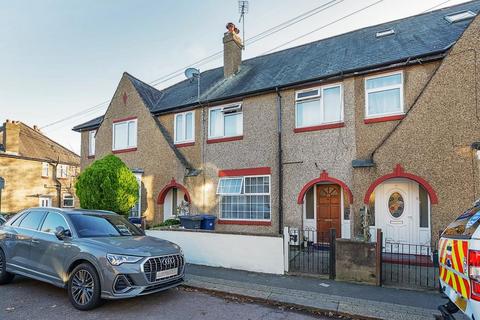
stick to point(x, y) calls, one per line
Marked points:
point(125, 134)
point(384, 95)
point(91, 142)
point(45, 169)
point(319, 106)
point(68, 201)
point(184, 129)
point(245, 198)
point(62, 171)
point(225, 121)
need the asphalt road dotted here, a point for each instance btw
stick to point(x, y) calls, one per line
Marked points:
point(26, 299)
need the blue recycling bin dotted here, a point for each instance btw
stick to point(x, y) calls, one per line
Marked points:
point(208, 222)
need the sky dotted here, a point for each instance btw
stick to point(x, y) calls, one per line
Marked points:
point(60, 58)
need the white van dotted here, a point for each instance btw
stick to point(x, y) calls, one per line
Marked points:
point(459, 263)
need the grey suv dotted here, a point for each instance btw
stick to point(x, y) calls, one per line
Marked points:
point(94, 254)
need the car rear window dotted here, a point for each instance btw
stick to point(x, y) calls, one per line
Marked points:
point(90, 226)
point(465, 225)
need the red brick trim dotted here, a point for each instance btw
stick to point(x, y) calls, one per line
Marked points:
point(245, 172)
point(91, 157)
point(324, 177)
point(183, 145)
point(384, 119)
point(172, 184)
point(218, 140)
point(399, 172)
point(124, 119)
point(245, 222)
point(124, 150)
point(320, 127)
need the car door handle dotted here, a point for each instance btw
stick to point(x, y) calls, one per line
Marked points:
point(35, 241)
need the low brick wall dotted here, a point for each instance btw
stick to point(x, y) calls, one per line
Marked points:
point(356, 261)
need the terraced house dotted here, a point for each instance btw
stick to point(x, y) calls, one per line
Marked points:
point(35, 171)
point(376, 123)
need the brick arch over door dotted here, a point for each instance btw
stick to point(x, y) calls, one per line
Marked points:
point(171, 185)
point(324, 177)
point(399, 172)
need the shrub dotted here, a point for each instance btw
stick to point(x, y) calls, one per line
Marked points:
point(107, 184)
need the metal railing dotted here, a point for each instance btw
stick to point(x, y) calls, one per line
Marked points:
point(312, 252)
point(410, 265)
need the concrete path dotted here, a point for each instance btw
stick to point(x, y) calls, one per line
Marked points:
point(338, 298)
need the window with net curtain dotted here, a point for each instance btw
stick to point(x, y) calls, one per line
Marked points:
point(319, 106)
point(185, 127)
point(384, 95)
point(245, 198)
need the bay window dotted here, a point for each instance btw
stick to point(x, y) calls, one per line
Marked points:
point(319, 106)
point(125, 134)
point(184, 127)
point(244, 198)
point(225, 121)
point(384, 95)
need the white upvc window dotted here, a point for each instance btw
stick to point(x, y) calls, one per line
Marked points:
point(124, 134)
point(62, 171)
point(68, 201)
point(45, 169)
point(384, 95)
point(91, 142)
point(319, 106)
point(184, 127)
point(225, 121)
point(245, 198)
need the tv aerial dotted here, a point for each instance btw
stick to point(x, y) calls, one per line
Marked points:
point(243, 9)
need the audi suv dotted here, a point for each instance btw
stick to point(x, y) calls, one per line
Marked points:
point(95, 255)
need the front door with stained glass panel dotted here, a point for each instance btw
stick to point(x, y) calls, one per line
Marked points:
point(328, 210)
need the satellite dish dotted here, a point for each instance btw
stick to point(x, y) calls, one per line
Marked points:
point(191, 73)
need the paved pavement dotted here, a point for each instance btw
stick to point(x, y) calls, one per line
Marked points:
point(319, 294)
point(26, 299)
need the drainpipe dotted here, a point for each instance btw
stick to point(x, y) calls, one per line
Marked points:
point(280, 161)
point(58, 183)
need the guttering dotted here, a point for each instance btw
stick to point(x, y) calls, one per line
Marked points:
point(418, 59)
point(280, 161)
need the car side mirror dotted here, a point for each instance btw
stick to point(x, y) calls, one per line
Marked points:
point(61, 233)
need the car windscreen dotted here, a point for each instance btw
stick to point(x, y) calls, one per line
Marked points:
point(92, 225)
point(465, 225)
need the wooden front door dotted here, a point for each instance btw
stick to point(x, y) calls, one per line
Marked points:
point(328, 210)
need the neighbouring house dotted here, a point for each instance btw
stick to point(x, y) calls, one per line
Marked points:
point(36, 170)
point(371, 127)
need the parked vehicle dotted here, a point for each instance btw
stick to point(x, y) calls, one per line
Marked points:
point(459, 261)
point(95, 255)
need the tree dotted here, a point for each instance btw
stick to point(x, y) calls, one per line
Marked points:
point(107, 184)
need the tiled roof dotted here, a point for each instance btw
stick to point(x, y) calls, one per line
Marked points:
point(421, 35)
point(33, 144)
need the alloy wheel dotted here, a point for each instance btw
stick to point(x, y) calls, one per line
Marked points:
point(82, 287)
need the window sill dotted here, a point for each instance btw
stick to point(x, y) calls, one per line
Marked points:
point(124, 150)
point(43, 177)
point(246, 222)
point(384, 119)
point(91, 157)
point(183, 145)
point(320, 127)
point(227, 139)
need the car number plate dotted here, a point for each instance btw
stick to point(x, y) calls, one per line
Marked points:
point(167, 273)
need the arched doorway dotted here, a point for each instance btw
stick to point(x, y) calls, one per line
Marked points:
point(400, 203)
point(173, 197)
point(326, 205)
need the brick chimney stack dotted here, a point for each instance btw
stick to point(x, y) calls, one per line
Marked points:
point(11, 137)
point(232, 50)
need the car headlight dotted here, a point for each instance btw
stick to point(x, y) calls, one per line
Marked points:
point(118, 259)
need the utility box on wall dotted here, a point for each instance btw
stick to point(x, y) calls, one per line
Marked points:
point(356, 261)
